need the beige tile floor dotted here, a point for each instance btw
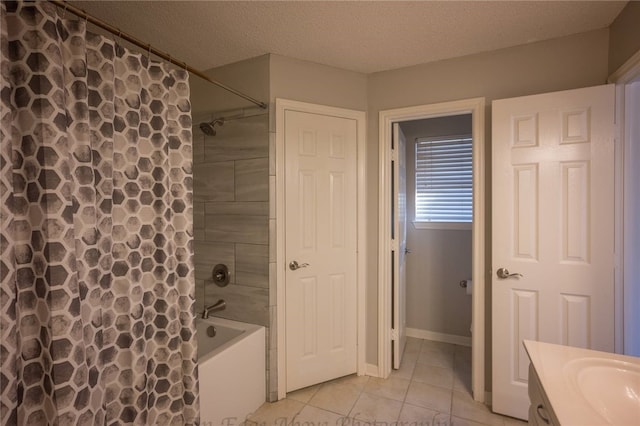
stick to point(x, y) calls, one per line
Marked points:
point(431, 388)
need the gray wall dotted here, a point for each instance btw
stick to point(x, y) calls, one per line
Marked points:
point(624, 35)
point(305, 81)
point(565, 63)
point(439, 258)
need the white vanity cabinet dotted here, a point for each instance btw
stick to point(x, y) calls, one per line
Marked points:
point(586, 387)
point(540, 410)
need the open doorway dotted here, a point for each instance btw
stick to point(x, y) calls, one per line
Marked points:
point(388, 305)
point(439, 221)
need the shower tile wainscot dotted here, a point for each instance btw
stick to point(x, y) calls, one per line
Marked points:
point(231, 218)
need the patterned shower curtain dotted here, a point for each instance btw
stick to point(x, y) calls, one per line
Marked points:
point(96, 291)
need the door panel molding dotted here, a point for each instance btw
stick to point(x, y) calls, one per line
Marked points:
point(283, 105)
point(475, 107)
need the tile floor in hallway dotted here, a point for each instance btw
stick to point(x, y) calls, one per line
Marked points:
point(431, 388)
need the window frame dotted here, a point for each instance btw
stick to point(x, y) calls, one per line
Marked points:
point(448, 225)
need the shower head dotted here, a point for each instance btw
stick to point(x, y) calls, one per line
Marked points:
point(209, 128)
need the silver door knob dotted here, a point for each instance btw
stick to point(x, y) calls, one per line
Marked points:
point(504, 273)
point(293, 265)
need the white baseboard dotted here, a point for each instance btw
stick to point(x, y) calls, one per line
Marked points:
point(439, 337)
point(371, 370)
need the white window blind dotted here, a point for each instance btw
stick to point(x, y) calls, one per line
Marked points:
point(444, 186)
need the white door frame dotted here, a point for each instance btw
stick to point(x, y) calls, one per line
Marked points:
point(475, 107)
point(626, 74)
point(283, 105)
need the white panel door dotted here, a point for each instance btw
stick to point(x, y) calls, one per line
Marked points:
point(320, 235)
point(399, 240)
point(553, 222)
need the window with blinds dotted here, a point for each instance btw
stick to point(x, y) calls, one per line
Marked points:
point(444, 186)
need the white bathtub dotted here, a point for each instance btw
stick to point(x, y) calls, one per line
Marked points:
point(232, 371)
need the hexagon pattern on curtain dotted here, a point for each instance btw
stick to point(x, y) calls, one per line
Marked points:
point(97, 293)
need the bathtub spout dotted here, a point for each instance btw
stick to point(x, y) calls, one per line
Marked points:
point(220, 305)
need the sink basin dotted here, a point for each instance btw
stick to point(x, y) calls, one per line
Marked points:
point(611, 387)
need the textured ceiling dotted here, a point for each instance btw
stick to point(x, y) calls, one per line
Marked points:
point(364, 36)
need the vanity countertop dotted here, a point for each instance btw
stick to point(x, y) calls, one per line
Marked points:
point(587, 387)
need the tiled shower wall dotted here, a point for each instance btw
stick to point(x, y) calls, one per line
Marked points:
point(231, 218)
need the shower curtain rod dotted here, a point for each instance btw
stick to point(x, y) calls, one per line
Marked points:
point(146, 46)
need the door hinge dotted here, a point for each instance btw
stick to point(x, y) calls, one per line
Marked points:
point(394, 334)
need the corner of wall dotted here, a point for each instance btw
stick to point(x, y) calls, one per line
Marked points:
point(624, 36)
